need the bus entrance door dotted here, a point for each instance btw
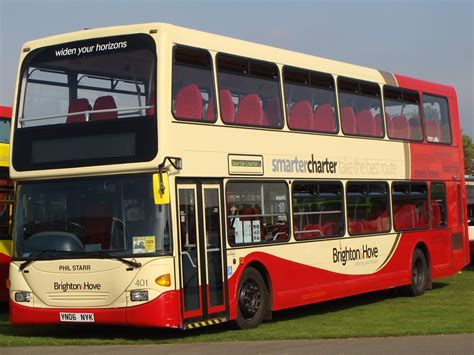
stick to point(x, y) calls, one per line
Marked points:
point(202, 269)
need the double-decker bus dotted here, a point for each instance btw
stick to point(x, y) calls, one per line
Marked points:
point(168, 177)
point(6, 191)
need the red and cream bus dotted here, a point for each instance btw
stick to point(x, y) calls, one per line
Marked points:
point(6, 192)
point(168, 177)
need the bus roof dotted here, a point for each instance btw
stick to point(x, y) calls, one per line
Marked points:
point(244, 48)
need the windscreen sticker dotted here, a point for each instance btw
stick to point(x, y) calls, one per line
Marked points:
point(239, 238)
point(144, 244)
point(247, 231)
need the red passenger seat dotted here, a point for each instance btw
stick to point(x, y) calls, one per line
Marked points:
point(356, 227)
point(405, 217)
point(227, 106)
point(272, 115)
point(78, 105)
point(365, 123)
point(435, 214)
point(330, 229)
point(324, 119)
point(151, 102)
point(348, 120)
point(98, 224)
point(250, 111)
point(433, 131)
point(415, 128)
point(301, 116)
point(312, 231)
point(104, 103)
point(378, 125)
point(189, 102)
point(422, 216)
point(400, 128)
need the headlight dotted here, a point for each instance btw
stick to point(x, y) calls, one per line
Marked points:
point(138, 296)
point(22, 296)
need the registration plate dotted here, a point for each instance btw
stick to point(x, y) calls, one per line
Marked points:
point(76, 317)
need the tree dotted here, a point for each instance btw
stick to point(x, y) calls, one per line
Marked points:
point(468, 148)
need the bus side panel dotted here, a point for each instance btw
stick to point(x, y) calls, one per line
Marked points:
point(440, 162)
point(295, 284)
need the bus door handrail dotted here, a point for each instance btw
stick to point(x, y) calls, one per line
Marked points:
point(190, 258)
point(256, 215)
point(313, 213)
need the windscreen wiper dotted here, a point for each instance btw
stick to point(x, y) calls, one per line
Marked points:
point(40, 257)
point(104, 254)
point(101, 254)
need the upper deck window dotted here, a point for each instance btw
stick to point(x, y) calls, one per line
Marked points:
point(87, 103)
point(402, 114)
point(249, 92)
point(360, 108)
point(436, 113)
point(193, 89)
point(311, 100)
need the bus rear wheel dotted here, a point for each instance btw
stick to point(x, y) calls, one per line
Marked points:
point(252, 299)
point(419, 274)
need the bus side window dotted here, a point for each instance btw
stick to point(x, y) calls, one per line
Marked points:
point(367, 207)
point(317, 210)
point(254, 87)
point(361, 108)
point(257, 212)
point(402, 114)
point(410, 206)
point(193, 88)
point(311, 100)
point(436, 114)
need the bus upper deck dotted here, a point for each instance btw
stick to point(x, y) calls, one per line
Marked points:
point(272, 94)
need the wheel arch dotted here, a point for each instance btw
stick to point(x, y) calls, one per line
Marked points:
point(422, 246)
point(268, 283)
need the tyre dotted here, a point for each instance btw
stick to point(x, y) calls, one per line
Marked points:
point(252, 299)
point(419, 275)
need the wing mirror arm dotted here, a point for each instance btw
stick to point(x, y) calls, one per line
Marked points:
point(175, 162)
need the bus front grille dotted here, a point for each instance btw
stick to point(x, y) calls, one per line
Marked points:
point(78, 297)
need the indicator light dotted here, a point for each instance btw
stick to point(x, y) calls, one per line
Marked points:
point(164, 280)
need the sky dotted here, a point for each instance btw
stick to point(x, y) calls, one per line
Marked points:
point(426, 39)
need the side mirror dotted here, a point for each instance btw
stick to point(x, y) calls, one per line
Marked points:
point(161, 189)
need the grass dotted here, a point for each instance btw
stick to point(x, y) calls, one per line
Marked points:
point(446, 309)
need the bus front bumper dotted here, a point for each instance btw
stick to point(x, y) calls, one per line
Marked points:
point(163, 311)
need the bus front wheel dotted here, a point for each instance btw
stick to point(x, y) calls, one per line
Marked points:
point(419, 274)
point(252, 299)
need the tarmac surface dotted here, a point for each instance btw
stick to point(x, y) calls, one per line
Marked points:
point(438, 344)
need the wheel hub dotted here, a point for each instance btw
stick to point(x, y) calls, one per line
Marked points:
point(250, 299)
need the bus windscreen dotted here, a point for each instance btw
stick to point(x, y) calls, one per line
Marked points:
point(100, 89)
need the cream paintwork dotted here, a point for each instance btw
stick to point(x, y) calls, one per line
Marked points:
point(347, 151)
point(204, 150)
point(116, 283)
point(320, 254)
